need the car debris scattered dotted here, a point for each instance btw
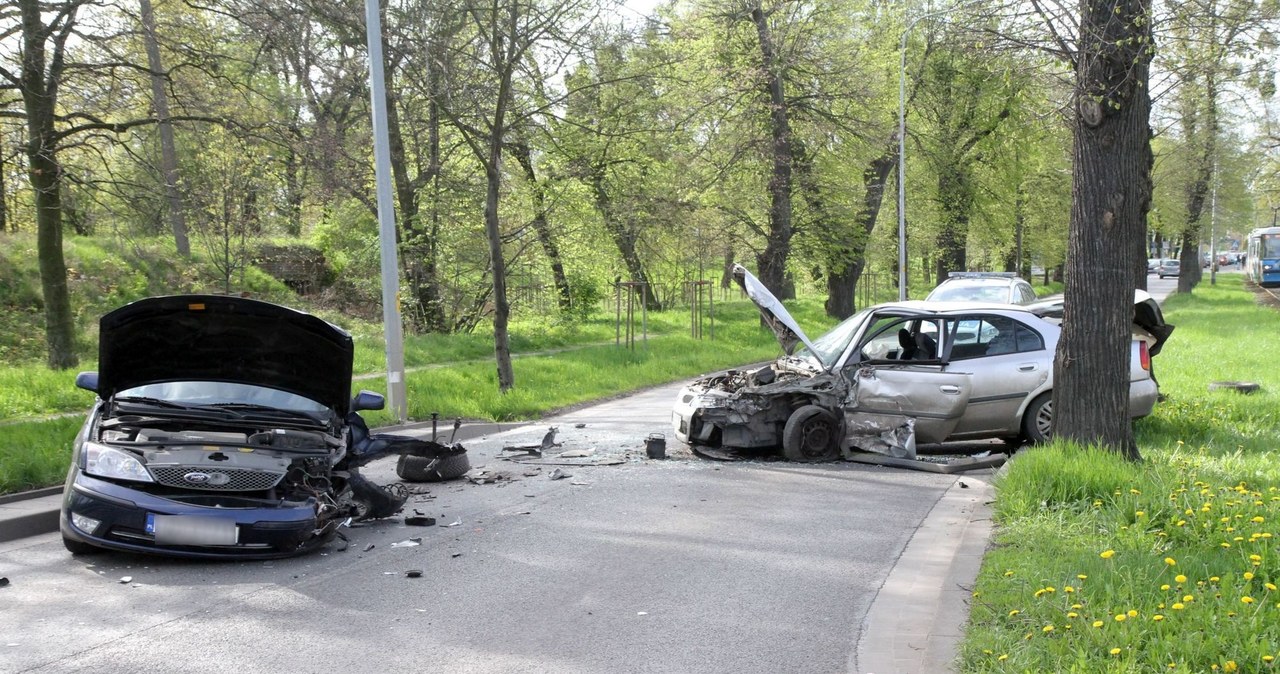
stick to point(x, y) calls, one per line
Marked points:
point(419, 521)
point(456, 555)
point(410, 543)
point(369, 547)
point(558, 474)
point(125, 580)
point(458, 523)
point(548, 443)
point(4, 581)
point(413, 573)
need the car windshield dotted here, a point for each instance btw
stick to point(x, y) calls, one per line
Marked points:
point(829, 346)
point(219, 393)
point(970, 292)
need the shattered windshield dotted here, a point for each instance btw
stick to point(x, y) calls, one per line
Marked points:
point(829, 346)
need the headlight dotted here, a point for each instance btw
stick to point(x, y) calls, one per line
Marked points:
point(105, 461)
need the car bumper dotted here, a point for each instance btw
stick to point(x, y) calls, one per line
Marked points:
point(222, 526)
point(1143, 395)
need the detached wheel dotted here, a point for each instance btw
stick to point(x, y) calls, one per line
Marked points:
point(433, 469)
point(1037, 422)
point(811, 435)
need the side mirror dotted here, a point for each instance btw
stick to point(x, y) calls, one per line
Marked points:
point(366, 400)
point(87, 381)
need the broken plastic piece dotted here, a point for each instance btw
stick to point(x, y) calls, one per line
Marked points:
point(456, 555)
point(410, 543)
point(420, 521)
point(413, 573)
point(368, 547)
point(4, 582)
point(126, 580)
point(558, 474)
point(453, 524)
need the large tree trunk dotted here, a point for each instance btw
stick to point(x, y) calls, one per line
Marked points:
point(501, 307)
point(955, 196)
point(1198, 191)
point(168, 151)
point(540, 225)
point(4, 192)
point(842, 279)
point(39, 98)
point(1111, 186)
point(772, 261)
point(623, 237)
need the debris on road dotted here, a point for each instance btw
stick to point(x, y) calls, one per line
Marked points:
point(4, 582)
point(486, 476)
point(558, 474)
point(410, 543)
point(413, 573)
point(548, 443)
point(576, 453)
point(579, 425)
point(953, 466)
point(369, 547)
point(125, 580)
point(419, 521)
point(456, 555)
point(453, 524)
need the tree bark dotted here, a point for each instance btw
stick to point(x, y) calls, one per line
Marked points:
point(168, 150)
point(623, 237)
point(1190, 271)
point(39, 95)
point(1111, 186)
point(772, 261)
point(550, 248)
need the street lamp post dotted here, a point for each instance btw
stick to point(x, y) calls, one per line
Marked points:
point(902, 145)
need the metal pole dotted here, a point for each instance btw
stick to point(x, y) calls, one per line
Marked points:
point(1213, 228)
point(392, 329)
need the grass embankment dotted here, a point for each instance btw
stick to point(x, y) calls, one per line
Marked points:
point(1103, 565)
point(457, 376)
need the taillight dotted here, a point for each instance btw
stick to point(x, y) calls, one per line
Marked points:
point(1144, 356)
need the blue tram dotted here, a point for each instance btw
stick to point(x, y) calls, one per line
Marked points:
point(1263, 256)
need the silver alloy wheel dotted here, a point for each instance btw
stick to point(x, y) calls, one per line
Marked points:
point(1044, 418)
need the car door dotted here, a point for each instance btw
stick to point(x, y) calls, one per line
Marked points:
point(885, 392)
point(1007, 361)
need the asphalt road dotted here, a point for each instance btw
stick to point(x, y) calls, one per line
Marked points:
point(677, 565)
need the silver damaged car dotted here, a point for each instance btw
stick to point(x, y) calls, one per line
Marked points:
point(898, 374)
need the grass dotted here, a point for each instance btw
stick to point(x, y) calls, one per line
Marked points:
point(1104, 565)
point(563, 364)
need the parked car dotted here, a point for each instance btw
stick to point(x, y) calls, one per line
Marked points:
point(1169, 267)
point(1000, 287)
point(225, 427)
point(898, 374)
point(1153, 265)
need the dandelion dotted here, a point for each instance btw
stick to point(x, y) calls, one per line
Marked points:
point(1188, 598)
point(1180, 578)
point(1076, 606)
point(1115, 651)
point(1180, 523)
point(1225, 544)
point(1255, 558)
point(1120, 617)
point(1246, 599)
point(1248, 575)
point(1014, 612)
point(1230, 666)
point(1072, 614)
point(1270, 586)
point(1003, 657)
point(1165, 587)
point(1133, 613)
point(1008, 573)
point(1268, 658)
point(1140, 514)
point(1170, 561)
point(1068, 589)
point(1258, 520)
point(1177, 606)
point(1097, 623)
point(1081, 576)
point(1107, 554)
point(1157, 618)
point(1047, 629)
point(1213, 579)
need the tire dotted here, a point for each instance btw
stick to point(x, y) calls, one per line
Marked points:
point(1245, 387)
point(433, 469)
point(811, 435)
point(1037, 422)
point(77, 547)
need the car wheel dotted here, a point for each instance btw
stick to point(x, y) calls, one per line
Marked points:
point(77, 547)
point(1037, 422)
point(811, 434)
point(433, 469)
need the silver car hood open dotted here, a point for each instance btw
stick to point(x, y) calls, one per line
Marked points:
point(775, 315)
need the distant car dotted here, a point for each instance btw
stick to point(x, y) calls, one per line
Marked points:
point(1153, 265)
point(224, 428)
point(1168, 267)
point(998, 287)
point(898, 374)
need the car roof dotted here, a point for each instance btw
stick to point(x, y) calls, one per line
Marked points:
point(954, 307)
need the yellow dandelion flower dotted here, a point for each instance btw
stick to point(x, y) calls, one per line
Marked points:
point(1230, 666)
point(1180, 578)
point(1068, 589)
point(1165, 587)
point(1132, 613)
point(1115, 651)
point(1097, 623)
point(1225, 544)
point(1177, 606)
point(1268, 658)
point(1140, 513)
point(1180, 523)
point(1270, 586)
point(1248, 575)
point(1003, 657)
point(1081, 576)
point(1255, 558)
point(1213, 579)
point(1157, 617)
point(1014, 612)
point(1170, 561)
point(1188, 598)
point(1120, 617)
point(1107, 554)
point(1047, 629)
point(1246, 600)
point(1008, 573)
point(1258, 520)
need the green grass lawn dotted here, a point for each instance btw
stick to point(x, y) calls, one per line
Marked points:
point(1169, 565)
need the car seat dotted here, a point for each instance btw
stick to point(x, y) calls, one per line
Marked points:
point(926, 347)
point(907, 344)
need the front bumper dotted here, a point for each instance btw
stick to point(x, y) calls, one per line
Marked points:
point(261, 530)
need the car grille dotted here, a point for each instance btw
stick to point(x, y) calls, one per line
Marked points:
point(221, 479)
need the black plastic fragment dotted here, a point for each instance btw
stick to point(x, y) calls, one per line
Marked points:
point(413, 573)
point(420, 521)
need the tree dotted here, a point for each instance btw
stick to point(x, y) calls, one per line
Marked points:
point(1111, 193)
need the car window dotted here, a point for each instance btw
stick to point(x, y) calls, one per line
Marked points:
point(974, 337)
point(221, 392)
point(900, 338)
point(970, 293)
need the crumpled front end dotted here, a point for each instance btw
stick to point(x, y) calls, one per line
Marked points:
point(748, 410)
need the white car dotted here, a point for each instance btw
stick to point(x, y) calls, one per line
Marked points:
point(898, 374)
point(982, 286)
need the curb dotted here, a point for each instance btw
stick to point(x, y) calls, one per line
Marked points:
point(917, 619)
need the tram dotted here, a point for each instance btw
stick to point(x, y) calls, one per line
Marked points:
point(1262, 261)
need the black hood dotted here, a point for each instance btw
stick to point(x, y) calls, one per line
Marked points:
point(227, 339)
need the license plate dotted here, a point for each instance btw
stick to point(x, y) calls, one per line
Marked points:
point(192, 530)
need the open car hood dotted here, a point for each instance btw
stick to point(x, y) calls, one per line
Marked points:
point(1146, 315)
point(775, 315)
point(227, 339)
